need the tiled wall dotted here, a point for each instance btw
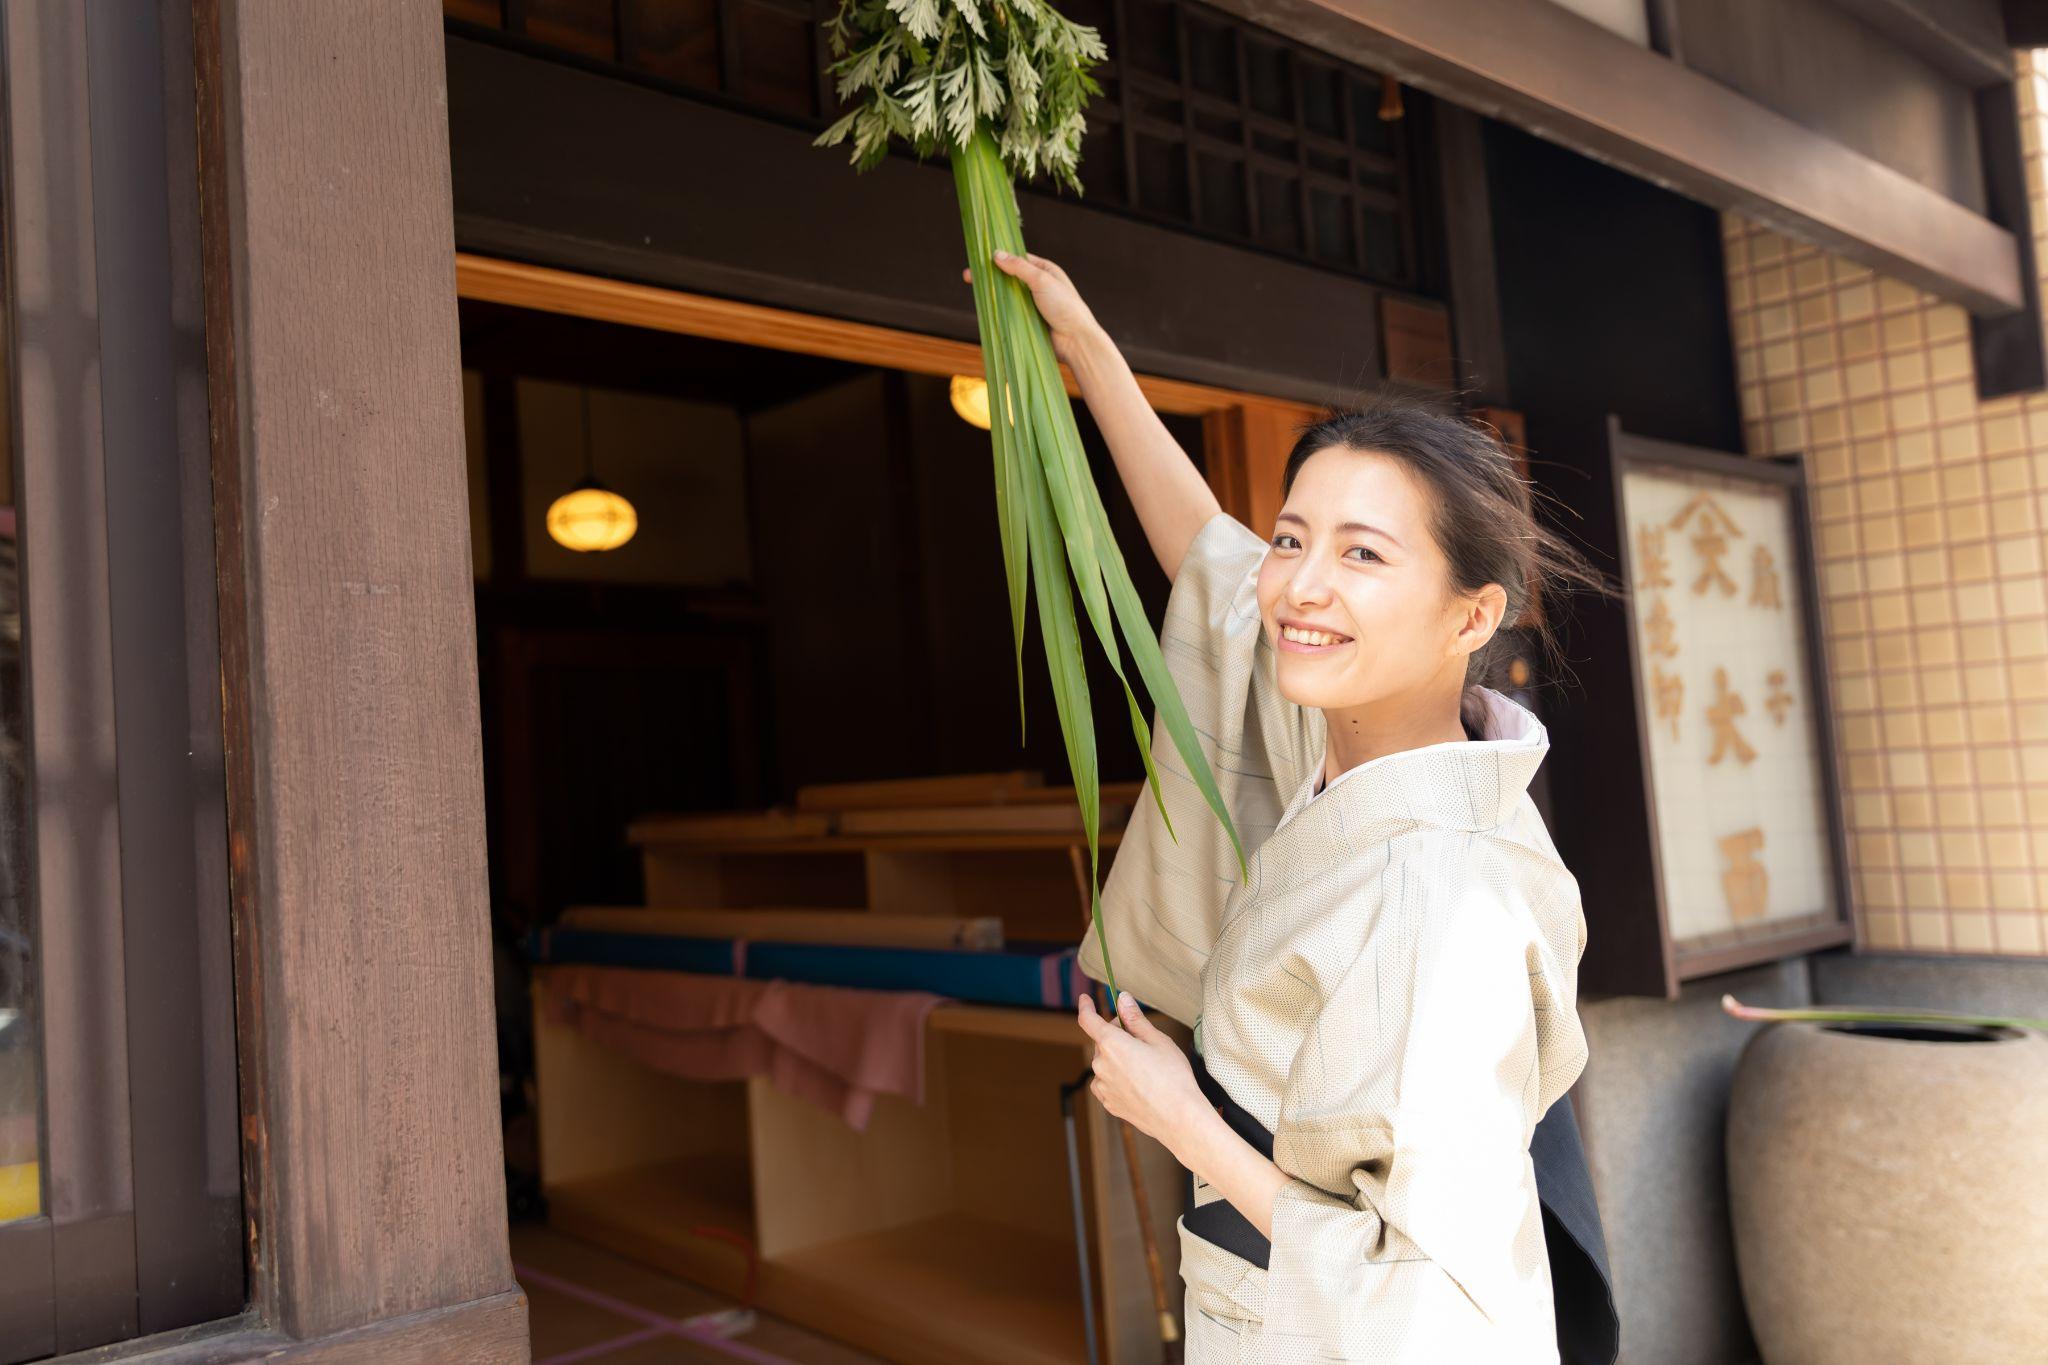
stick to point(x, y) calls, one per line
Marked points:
point(1930, 508)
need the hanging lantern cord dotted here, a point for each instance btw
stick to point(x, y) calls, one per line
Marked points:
point(589, 458)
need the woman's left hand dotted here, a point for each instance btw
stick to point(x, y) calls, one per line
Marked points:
point(1141, 1075)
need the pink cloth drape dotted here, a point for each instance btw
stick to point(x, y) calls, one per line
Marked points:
point(836, 1046)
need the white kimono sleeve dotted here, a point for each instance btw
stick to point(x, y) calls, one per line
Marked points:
point(1404, 1233)
point(1163, 900)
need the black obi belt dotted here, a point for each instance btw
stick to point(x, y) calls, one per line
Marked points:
point(1588, 1328)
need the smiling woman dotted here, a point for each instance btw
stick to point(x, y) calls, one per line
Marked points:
point(1450, 559)
point(1384, 1009)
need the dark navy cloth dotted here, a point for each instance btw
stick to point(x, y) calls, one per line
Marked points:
point(1588, 1327)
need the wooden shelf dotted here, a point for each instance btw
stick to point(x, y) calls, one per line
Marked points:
point(1002, 1021)
point(647, 1214)
point(952, 1289)
point(652, 834)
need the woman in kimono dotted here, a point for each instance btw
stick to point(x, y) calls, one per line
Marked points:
point(1384, 1008)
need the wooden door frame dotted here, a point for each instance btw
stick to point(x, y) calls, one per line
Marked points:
point(1246, 436)
point(371, 1145)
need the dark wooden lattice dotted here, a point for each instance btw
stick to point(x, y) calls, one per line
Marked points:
point(1205, 123)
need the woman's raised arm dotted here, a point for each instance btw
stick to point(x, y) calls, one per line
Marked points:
point(1172, 499)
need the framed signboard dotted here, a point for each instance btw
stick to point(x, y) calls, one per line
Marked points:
point(1747, 849)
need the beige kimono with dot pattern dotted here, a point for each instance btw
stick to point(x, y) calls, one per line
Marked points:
point(1391, 992)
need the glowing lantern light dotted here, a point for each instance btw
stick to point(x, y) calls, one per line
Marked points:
point(590, 518)
point(970, 399)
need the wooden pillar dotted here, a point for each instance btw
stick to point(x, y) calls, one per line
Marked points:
point(373, 1163)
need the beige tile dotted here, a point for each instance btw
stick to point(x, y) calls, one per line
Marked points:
point(2012, 890)
point(1997, 765)
point(1944, 725)
point(1884, 572)
point(2007, 476)
point(1906, 369)
point(1922, 890)
point(1984, 682)
point(2003, 433)
point(1970, 563)
point(1950, 768)
point(2017, 934)
point(1916, 530)
point(1962, 482)
point(1935, 642)
point(2007, 850)
point(1856, 301)
point(1982, 643)
point(1933, 686)
point(1934, 607)
point(2002, 806)
point(2012, 516)
point(1855, 692)
point(1819, 354)
point(1810, 274)
point(1957, 441)
point(2017, 555)
point(1967, 521)
point(1976, 602)
point(1919, 488)
point(1954, 810)
point(1990, 723)
point(1926, 929)
point(1860, 734)
point(1902, 332)
point(1913, 449)
point(1955, 394)
point(1950, 360)
point(1893, 295)
point(1970, 931)
point(2030, 721)
point(1966, 888)
point(1875, 850)
point(1905, 688)
point(1947, 322)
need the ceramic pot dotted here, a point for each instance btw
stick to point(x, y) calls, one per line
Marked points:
point(1888, 1186)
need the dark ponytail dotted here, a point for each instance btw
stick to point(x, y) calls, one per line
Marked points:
point(1484, 522)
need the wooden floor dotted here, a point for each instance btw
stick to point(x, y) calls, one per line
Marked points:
point(587, 1304)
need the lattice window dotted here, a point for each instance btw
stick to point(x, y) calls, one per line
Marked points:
point(1206, 123)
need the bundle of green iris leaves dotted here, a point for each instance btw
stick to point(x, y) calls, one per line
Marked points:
point(1000, 85)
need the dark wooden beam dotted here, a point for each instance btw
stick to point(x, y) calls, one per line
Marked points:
point(1559, 75)
point(2009, 350)
point(542, 175)
point(356, 820)
point(1965, 38)
point(2026, 23)
point(1469, 256)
